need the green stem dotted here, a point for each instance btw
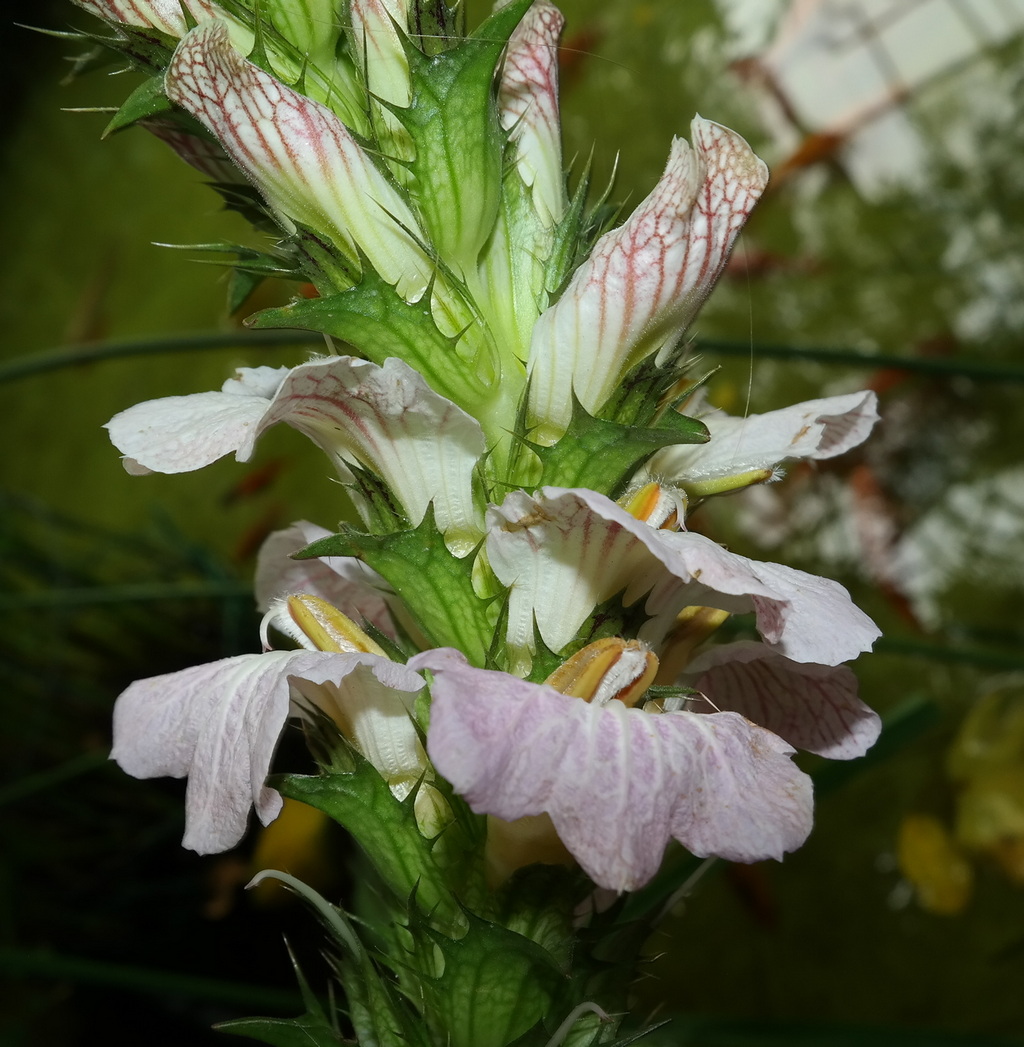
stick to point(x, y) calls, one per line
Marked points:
point(952, 366)
point(35, 963)
point(89, 352)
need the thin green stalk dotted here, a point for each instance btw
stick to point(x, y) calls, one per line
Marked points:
point(40, 963)
point(951, 366)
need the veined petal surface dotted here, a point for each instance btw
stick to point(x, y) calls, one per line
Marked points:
point(564, 551)
point(219, 724)
point(528, 102)
point(165, 15)
point(177, 434)
point(301, 157)
point(813, 707)
point(373, 707)
point(388, 418)
point(815, 429)
point(645, 281)
point(617, 783)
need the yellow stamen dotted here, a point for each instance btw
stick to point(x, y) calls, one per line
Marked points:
point(327, 628)
point(607, 669)
point(659, 506)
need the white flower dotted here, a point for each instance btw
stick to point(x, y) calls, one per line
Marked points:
point(645, 281)
point(384, 418)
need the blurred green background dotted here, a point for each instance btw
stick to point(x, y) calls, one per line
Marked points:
point(902, 920)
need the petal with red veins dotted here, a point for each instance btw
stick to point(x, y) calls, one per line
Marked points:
point(563, 552)
point(528, 103)
point(165, 15)
point(645, 281)
point(387, 418)
point(301, 157)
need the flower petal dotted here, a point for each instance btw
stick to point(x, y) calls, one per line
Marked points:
point(815, 429)
point(373, 706)
point(617, 783)
point(177, 434)
point(343, 581)
point(422, 445)
point(219, 724)
point(528, 102)
point(645, 281)
point(813, 707)
point(165, 15)
point(301, 157)
point(379, 47)
point(563, 552)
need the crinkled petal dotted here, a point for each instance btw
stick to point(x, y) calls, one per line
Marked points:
point(219, 724)
point(815, 429)
point(343, 581)
point(645, 281)
point(813, 707)
point(528, 102)
point(177, 434)
point(617, 783)
point(563, 552)
point(300, 155)
point(388, 418)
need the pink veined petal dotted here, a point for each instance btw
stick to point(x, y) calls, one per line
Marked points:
point(197, 151)
point(617, 783)
point(645, 281)
point(813, 707)
point(343, 581)
point(177, 434)
point(165, 15)
point(816, 429)
point(565, 551)
point(422, 445)
point(528, 100)
point(219, 724)
point(300, 155)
